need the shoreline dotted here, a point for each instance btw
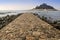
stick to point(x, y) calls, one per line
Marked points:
point(6, 19)
point(28, 26)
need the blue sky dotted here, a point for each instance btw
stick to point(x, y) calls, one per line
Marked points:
point(26, 4)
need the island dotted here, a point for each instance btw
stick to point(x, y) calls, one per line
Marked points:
point(44, 6)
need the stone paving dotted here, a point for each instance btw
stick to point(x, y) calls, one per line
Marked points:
point(29, 27)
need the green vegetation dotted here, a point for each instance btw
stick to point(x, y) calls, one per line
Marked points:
point(44, 6)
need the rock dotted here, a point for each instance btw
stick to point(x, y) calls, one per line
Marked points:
point(30, 38)
point(45, 6)
point(7, 19)
point(43, 36)
point(28, 27)
point(42, 39)
point(35, 33)
point(58, 39)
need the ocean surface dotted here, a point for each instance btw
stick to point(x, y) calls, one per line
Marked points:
point(51, 15)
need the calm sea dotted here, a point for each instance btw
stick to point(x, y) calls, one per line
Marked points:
point(53, 15)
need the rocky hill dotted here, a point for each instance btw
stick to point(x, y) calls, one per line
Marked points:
point(29, 27)
point(45, 6)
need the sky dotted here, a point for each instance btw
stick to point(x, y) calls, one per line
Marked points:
point(26, 4)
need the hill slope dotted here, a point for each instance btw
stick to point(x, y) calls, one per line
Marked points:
point(29, 27)
point(45, 6)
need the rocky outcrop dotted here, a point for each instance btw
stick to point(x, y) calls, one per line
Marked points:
point(7, 19)
point(29, 27)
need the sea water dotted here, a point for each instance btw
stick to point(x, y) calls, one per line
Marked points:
point(53, 15)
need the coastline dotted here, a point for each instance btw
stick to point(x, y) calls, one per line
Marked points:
point(29, 27)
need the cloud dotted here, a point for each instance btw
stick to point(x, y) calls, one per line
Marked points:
point(15, 7)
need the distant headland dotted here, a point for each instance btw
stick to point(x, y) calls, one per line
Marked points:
point(45, 6)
